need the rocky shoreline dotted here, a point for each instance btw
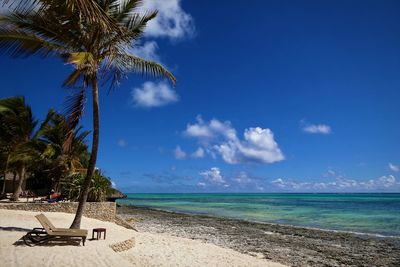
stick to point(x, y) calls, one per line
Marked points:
point(293, 246)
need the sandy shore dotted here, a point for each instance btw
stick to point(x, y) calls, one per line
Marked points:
point(293, 246)
point(150, 249)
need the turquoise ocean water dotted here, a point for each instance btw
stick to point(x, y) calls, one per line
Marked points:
point(365, 213)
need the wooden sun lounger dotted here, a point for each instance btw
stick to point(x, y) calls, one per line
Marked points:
point(49, 232)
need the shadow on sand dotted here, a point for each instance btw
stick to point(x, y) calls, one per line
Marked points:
point(14, 229)
point(59, 242)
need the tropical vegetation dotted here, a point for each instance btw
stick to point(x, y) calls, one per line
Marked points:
point(16, 129)
point(96, 38)
point(39, 153)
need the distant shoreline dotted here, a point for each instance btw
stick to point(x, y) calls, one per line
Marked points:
point(290, 245)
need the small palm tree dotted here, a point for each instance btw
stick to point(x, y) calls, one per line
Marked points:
point(72, 186)
point(96, 38)
point(17, 125)
point(100, 187)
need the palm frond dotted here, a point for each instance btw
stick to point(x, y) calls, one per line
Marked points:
point(74, 77)
point(133, 26)
point(122, 9)
point(131, 63)
point(92, 11)
point(138, 22)
point(74, 107)
point(74, 110)
point(44, 124)
point(20, 43)
point(117, 67)
point(61, 31)
point(11, 103)
point(88, 10)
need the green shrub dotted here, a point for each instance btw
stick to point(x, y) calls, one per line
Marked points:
point(100, 187)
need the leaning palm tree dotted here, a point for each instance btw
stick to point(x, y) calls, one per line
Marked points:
point(97, 53)
point(17, 125)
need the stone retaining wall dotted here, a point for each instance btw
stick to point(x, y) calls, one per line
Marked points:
point(104, 211)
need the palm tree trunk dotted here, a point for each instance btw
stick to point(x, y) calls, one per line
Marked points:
point(5, 174)
point(76, 224)
point(14, 179)
point(18, 190)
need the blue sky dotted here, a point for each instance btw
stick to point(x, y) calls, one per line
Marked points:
point(276, 96)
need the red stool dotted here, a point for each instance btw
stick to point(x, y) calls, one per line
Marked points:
point(99, 231)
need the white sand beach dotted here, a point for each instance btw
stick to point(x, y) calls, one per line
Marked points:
point(149, 249)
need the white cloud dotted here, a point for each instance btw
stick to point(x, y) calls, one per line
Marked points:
point(258, 146)
point(340, 184)
point(243, 178)
point(199, 129)
point(219, 137)
point(147, 51)
point(247, 182)
point(393, 167)
point(213, 175)
point(330, 173)
point(260, 188)
point(317, 129)
point(122, 143)
point(171, 22)
point(281, 183)
point(154, 95)
point(387, 181)
point(113, 184)
point(199, 153)
point(201, 184)
point(179, 153)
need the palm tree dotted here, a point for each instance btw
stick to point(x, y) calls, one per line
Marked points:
point(5, 148)
point(97, 53)
point(17, 125)
point(61, 160)
point(5, 161)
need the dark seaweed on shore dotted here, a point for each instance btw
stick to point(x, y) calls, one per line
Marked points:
point(293, 246)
